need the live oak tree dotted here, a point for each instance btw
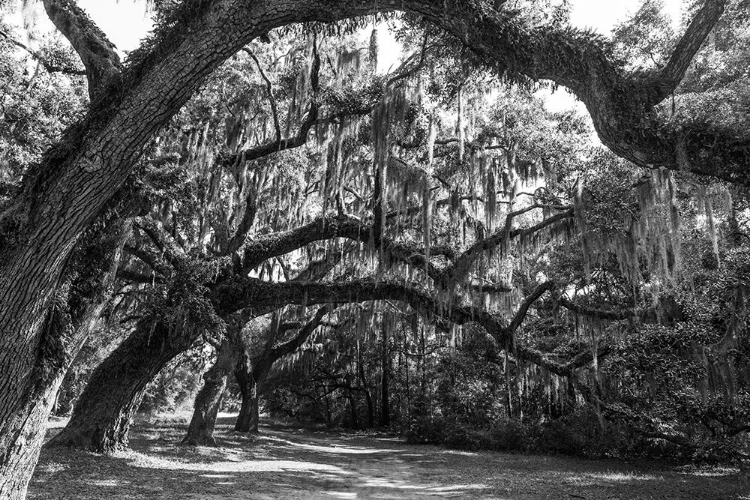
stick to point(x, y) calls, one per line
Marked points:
point(114, 392)
point(45, 217)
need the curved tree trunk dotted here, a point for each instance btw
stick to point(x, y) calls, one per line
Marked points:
point(102, 416)
point(22, 431)
point(65, 193)
point(16, 468)
point(201, 428)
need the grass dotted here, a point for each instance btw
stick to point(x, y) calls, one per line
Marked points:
point(285, 462)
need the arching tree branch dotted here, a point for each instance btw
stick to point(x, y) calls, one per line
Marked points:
point(96, 52)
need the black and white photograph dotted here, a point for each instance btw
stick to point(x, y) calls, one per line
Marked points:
point(374, 249)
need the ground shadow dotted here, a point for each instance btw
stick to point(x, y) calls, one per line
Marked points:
point(283, 462)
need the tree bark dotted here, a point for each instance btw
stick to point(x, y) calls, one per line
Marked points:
point(385, 368)
point(247, 420)
point(19, 462)
point(103, 414)
point(353, 408)
point(202, 424)
point(82, 297)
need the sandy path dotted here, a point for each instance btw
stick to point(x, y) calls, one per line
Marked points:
point(295, 464)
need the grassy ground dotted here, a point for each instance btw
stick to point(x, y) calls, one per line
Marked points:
point(292, 463)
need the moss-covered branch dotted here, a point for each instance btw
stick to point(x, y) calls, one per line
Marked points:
point(96, 52)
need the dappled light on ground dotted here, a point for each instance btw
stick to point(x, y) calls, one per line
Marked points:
point(294, 464)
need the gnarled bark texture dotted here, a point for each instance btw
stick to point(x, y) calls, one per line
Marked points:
point(202, 424)
point(103, 414)
point(81, 299)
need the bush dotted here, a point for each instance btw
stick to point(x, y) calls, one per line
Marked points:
point(510, 435)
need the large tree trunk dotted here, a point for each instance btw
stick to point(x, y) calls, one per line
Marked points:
point(81, 298)
point(201, 428)
point(63, 195)
point(18, 465)
point(103, 414)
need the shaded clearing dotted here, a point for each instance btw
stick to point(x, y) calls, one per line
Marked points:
point(285, 462)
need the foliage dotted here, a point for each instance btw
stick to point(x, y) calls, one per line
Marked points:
point(461, 186)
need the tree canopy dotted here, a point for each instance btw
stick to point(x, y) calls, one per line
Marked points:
point(247, 184)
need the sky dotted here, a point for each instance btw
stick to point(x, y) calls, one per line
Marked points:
point(125, 23)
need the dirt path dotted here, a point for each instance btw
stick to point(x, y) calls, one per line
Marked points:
point(295, 464)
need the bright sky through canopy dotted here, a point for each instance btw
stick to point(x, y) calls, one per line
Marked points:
point(126, 23)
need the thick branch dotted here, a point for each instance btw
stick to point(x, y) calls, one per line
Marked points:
point(325, 228)
point(168, 248)
point(610, 314)
point(96, 52)
point(248, 218)
point(301, 337)
point(242, 292)
point(563, 369)
point(526, 304)
point(690, 43)
point(500, 238)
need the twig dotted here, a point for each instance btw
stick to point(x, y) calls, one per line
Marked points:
point(51, 68)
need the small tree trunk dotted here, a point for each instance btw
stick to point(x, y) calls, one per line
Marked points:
point(385, 368)
point(329, 421)
point(201, 428)
point(508, 387)
point(247, 420)
point(102, 416)
point(370, 409)
point(353, 407)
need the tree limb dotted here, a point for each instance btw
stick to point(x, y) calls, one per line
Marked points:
point(500, 238)
point(96, 52)
point(610, 314)
point(690, 43)
point(523, 309)
point(269, 90)
point(301, 337)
